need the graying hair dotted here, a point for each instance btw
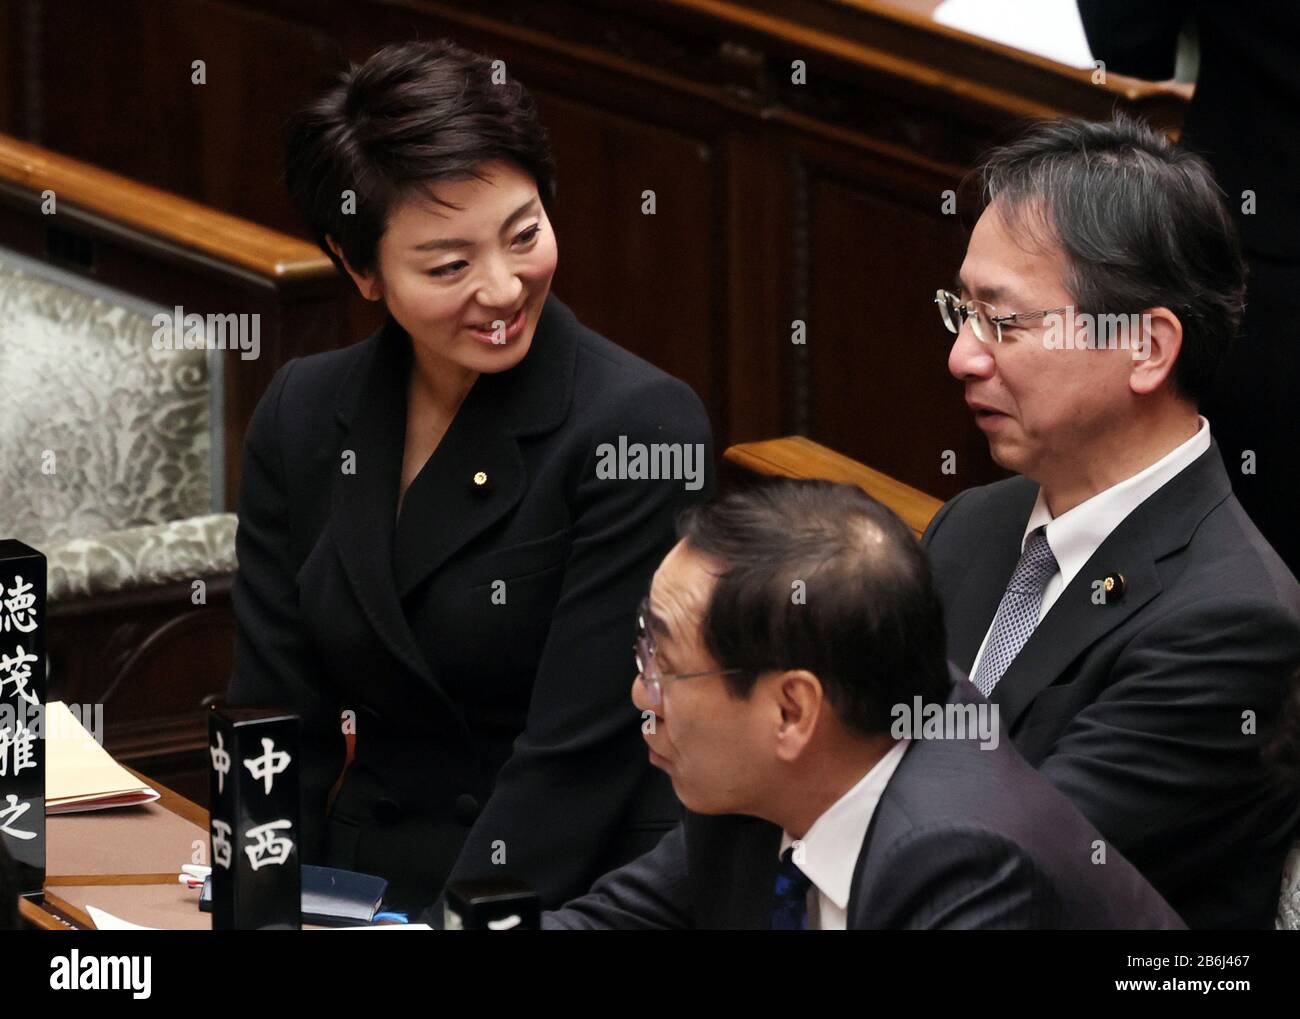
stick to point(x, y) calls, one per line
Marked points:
point(1142, 224)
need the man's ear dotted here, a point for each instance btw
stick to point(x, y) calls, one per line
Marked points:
point(800, 700)
point(1154, 349)
point(369, 284)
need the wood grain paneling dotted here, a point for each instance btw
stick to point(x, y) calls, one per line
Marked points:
point(648, 282)
point(877, 350)
point(693, 98)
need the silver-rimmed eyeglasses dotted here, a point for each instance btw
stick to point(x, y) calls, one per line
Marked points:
point(983, 317)
point(644, 649)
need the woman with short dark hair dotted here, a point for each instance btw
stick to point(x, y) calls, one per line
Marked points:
point(437, 552)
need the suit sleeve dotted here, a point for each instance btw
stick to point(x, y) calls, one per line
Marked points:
point(275, 664)
point(1160, 763)
point(961, 879)
point(1139, 39)
point(650, 893)
point(560, 798)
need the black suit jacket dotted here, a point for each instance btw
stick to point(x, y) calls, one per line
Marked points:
point(1135, 708)
point(1243, 116)
point(961, 838)
point(494, 730)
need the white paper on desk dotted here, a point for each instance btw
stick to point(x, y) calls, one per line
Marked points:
point(105, 921)
point(1049, 28)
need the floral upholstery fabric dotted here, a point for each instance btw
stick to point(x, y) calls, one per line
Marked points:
point(181, 550)
point(105, 442)
point(1288, 906)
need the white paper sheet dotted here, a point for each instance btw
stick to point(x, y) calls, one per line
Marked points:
point(1049, 28)
point(106, 921)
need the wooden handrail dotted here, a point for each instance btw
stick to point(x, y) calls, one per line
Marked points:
point(896, 38)
point(160, 214)
point(797, 457)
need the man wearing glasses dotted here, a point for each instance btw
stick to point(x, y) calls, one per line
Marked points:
point(783, 640)
point(1114, 600)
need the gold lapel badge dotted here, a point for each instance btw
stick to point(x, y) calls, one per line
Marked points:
point(1114, 587)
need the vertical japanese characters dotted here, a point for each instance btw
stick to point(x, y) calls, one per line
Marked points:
point(256, 875)
point(22, 694)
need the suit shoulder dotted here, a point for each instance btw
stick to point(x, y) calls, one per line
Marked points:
point(972, 508)
point(616, 386)
point(974, 784)
point(1230, 558)
point(314, 376)
point(306, 391)
point(997, 497)
point(602, 360)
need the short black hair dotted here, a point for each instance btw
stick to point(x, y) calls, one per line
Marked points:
point(413, 114)
point(1143, 224)
point(820, 576)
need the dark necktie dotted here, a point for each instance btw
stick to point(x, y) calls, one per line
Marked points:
point(790, 893)
point(1017, 615)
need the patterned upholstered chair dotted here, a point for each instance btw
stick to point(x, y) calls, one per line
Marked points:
point(1288, 904)
point(110, 450)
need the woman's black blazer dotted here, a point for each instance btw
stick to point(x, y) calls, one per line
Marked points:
point(481, 647)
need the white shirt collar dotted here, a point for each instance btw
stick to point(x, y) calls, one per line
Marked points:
point(831, 847)
point(1077, 533)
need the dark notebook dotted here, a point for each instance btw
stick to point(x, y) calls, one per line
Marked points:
point(331, 897)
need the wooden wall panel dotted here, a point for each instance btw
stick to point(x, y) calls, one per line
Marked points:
point(877, 351)
point(755, 174)
point(648, 282)
point(116, 91)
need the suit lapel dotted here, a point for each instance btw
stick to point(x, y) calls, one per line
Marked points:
point(474, 477)
point(477, 475)
point(443, 509)
point(1160, 526)
point(373, 418)
point(1075, 622)
point(886, 820)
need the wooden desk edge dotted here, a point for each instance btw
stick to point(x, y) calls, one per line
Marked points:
point(798, 457)
point(174, 801)
point(57, 913)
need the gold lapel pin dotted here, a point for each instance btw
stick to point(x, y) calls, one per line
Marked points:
point(480, 481)
point(1114, 587)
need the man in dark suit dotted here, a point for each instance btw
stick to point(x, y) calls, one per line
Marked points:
point(792, 646)
point(1115, 601)
point(1243, 121)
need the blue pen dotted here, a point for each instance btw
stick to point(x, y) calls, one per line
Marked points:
point(396, 917)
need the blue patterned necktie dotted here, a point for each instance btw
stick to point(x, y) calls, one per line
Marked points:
point(1017, 613)
point(790, 908)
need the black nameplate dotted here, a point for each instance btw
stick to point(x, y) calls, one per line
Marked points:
point(502, 904)
point(22, 700)
point(256, 872)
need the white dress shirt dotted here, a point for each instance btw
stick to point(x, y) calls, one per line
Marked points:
point(1076, 534)
point(830, 850)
